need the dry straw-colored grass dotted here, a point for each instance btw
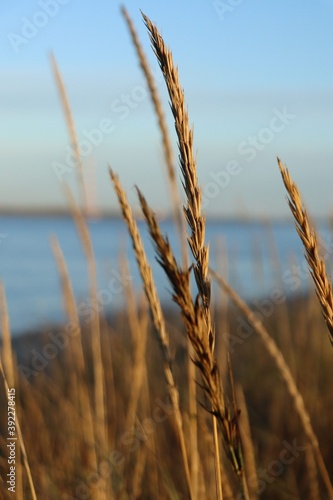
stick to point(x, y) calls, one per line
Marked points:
point(8, 371)
point(197, 315)
point(308, 236)
point(156, 312)
point(196, 327)
point(180, 224)
point(278, 359)
point(71, 128)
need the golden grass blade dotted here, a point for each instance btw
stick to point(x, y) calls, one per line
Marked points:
point(18, 430)
point(193, 214)
point(101, 433)
point(157, 105)
point(19, 476)
point(71, 129)
point(156, 312)
point(248, 450)
point(196, 327)
point(218, 476)
point(7, 352)
point(285, 373)
point(138, 327)
point(180, 224)
point(314, 492)
point(151, 462)
point(308, 236)
point(77, 350)
point(163, 128)
point(193, 414)
point(21, 441)
point(67, 291)
point(9, 371)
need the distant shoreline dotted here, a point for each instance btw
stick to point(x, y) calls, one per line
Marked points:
point(105, 214)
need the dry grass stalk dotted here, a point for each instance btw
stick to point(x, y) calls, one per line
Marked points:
point(7, 352)
point(77, 352)
point(10, 369)
point(193, 414)
point(156, 312)
point(19, 476)
point(248, 450)
point(218, 465)
point(78, 215)
point(138, 324)
point(152, 463)
point(314, 492)
point(138, 327)
point(9, 363)
point(180, 224)
point(140, 464)
point(156, 102)
point(99, 380)
point(196, 327)
point(285, 373)
point(282, 312)
point(20, 440)
point(71, 128)
point(193, 213)
point(308, 236)
point(163, 128)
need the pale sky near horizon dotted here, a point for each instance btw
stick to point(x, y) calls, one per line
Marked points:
point(258, 82)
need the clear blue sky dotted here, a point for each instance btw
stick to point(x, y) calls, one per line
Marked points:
point(258, 81)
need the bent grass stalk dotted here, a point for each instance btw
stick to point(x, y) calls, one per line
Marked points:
point(285, 373)
point(156, 312)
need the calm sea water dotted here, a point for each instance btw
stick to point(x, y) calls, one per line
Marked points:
point(256, 257)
